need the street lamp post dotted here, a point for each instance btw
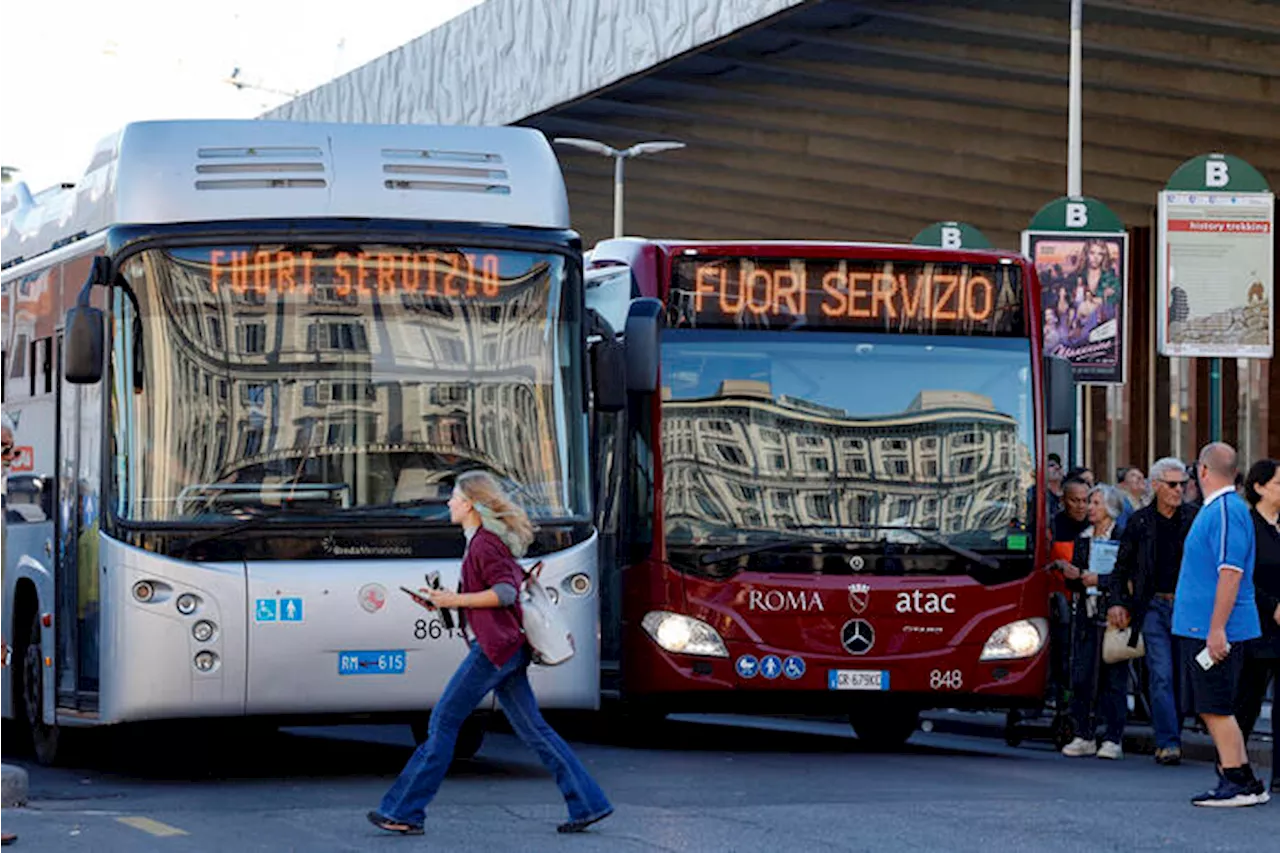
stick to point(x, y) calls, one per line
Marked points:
point(637, 150)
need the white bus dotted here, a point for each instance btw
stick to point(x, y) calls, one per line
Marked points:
point(246, 360)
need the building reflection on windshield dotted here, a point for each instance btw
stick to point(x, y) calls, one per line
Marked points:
point(746, 460)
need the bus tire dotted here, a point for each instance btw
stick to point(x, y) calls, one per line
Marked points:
point(884, 727)
point(470, 736)
point(29, 691)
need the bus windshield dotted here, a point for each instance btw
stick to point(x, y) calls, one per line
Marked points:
point(324, 379)
point(856, 438)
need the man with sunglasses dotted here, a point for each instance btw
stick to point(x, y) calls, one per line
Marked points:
point(1144, 580)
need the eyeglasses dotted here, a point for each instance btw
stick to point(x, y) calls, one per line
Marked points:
point(9, 451)
point(1174, 484)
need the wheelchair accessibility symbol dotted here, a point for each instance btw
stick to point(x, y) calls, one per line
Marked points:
point(266, 610)
point(793, 667)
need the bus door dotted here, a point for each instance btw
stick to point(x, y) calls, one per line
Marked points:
point(79, 445)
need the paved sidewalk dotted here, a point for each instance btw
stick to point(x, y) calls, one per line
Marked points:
point(1138, 739)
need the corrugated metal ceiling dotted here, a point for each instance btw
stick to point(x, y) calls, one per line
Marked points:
point(846, 120)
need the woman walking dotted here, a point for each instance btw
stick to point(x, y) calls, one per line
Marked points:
point(497, 531)
point(1262, 657)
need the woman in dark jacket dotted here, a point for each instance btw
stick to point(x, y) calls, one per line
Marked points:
point(497, 531)
point(1262, 658)
point(1091, 678)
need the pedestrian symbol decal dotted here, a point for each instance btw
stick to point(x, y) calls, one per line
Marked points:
point(793, 667)
point(291, 610)
point(265, 610)
point(771, 667)
point(747, 666)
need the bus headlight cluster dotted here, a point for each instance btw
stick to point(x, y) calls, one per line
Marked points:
point(203, 631)
point(187, 604)
point(1020, 639)
point(684, 635)
point(206, 661)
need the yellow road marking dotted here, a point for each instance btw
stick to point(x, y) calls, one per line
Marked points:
point(154, 827)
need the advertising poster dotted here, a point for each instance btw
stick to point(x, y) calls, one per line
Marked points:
point(1216, 274)
point(1083, 301)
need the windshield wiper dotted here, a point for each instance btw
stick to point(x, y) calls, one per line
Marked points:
point(723, 554)
point(923, 533)
point(388, 509)
point(257, 518)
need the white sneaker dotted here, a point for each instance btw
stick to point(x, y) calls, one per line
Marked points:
point(1080, 748)
point(1110, 749)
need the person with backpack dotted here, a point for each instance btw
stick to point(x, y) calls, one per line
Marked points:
point(497, 532)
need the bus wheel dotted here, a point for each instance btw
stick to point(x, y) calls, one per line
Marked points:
point(884, 727)
point(470, 736)
point(43, 737)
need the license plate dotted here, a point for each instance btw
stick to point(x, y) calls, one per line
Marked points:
point(371, 663)
point(857, 679)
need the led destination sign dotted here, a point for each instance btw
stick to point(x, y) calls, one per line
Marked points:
point(866, 295)
point(355, 271)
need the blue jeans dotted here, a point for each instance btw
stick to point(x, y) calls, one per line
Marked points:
point(420, 780)
point(1157, 634)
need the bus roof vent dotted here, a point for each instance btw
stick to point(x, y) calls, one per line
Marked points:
point(444, 171)
point(264, 167)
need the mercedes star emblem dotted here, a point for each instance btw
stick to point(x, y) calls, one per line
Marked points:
point(857, 636)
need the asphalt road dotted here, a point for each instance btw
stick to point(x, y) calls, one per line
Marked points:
point(698, 784)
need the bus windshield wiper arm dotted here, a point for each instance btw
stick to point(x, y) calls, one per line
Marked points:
point(723, 554)
point(257, 518)
point(923, 533)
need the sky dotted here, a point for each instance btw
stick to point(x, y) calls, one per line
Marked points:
point(69, 77)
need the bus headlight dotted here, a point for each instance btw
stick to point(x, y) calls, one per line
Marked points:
point(578, 584)
point(684, 635)
point(206, 661)
point(187, 603)
point(144, 591)
point(202, 631)
point(1020, 639)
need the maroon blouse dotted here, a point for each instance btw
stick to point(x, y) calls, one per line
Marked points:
point(497, 629)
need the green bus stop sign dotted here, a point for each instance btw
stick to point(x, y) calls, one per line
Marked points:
point(952, 235)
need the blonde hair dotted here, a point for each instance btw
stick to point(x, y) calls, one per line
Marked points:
point(498, 513)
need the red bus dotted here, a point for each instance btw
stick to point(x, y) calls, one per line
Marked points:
point(822, 492)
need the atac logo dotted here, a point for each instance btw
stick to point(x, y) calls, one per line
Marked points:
point(859, 596)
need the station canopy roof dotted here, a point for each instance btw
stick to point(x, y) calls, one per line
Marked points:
point(843, 120)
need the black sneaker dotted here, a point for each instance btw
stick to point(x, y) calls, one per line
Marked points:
point(1259, 789)
point(1227, 795)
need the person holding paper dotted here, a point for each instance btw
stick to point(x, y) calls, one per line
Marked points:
point(1095, 551)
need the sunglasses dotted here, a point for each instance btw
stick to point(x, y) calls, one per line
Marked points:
point(1174, 484)
point(9, 451)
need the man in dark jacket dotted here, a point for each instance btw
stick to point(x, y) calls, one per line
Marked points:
point(1144, 580)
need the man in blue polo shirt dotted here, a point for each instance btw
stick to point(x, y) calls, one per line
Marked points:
point(1214, 613)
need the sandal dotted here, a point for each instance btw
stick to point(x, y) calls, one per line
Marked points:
point(391, 825)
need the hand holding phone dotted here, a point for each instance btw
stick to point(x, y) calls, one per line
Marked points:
point(1206, 660)
point(418, 597)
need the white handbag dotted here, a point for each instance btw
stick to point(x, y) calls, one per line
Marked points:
point(1116, 648)
point(545, 627)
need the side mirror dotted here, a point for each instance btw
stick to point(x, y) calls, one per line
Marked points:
point(84, 334)
point(609, 375)
point(84, 338)
point(1060, 395)
point(644, 323)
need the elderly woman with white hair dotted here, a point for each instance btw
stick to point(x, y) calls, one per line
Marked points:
point(1092, 680)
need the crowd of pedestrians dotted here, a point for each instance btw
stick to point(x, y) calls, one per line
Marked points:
point(1183, 570)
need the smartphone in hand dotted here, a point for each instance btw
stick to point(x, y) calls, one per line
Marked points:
point(1205, 660)
point(425, 602)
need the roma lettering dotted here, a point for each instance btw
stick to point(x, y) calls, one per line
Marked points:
point(448, 275)
point(776, 601)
